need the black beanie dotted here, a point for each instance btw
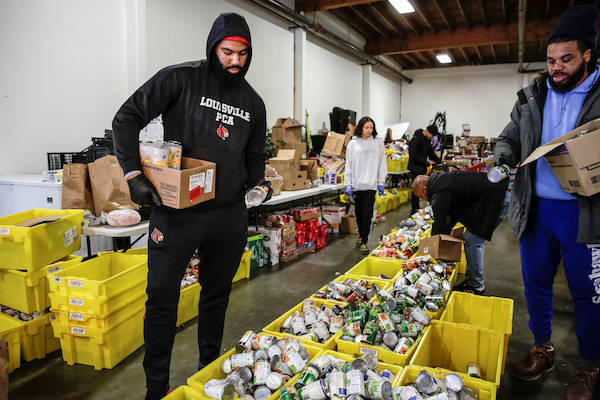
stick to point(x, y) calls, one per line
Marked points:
point(577, 22)
point(433, 130)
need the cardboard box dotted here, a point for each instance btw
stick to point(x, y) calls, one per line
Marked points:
point(311, 167)
point(193, 184)
point(301, 148)
point(294, 180)
point(349, 225)
point(255, 245)
point(286, 160)
point(286, 130)
point(441, 247)
point(333, 213)
point(271, 244)
point(575, 162)
point(276, 184)
point(334, 145)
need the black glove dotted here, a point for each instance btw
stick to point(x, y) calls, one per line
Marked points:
point(143, 191)
point(499, 161)
point(267, 184)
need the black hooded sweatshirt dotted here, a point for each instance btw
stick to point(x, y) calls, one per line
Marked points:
point(216, 116)
point(467, 197)
point(419, 149)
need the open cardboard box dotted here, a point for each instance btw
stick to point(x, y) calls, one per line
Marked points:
point(575, 162)
point(286, 130)
point(286, 160)
point(193, 184)
point(441, 247)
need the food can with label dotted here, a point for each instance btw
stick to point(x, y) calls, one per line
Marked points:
point(219, 389)
point(263, 341)
point(317, 390)
point(474, 370)
point(308, 375)
point(337, 383)
point(322, 364)
point(453, 382)
point(403, 345)
point(378, 390)
point(289, 393)
point(429, 384)
point(262, 393)
point(242, 360)
point(420, 316)
point(321, 330)
point(385, 323)
point(274, 381)
point(355, 382)
point(262, 369)
point(467, 394)
point(335, 324)
point(245, 343)
point(293, 360)
point(387, 375)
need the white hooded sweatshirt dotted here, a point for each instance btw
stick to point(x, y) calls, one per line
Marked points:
point(366, 166)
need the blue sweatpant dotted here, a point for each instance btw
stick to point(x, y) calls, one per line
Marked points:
point(551, 235)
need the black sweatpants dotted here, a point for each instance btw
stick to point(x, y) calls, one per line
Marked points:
point(364, 200)
point(220, 236)
point(414, 200)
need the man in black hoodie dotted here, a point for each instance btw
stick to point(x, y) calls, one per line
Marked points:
point(217, 116)
point(420, 152)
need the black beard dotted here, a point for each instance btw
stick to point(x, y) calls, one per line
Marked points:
point(571, 81)
point(225, 77)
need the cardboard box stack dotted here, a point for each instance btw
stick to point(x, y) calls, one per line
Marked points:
point(287, 225)
point(310, 234)
point(287, 165)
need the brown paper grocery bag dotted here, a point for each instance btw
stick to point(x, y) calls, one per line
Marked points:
point(76, 188)
point(109, 188)
point(4, 360)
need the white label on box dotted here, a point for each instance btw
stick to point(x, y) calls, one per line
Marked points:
point(70, 236)
point(76, 302)
point(77, 331)
point(4, 231)
point(197, 180)
point(367, 350)
point(54, 269)
point(76, 316)
point(57, 279)
point(75, 283)
point(209, 180)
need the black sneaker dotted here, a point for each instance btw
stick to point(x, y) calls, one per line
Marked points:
point(466, 288)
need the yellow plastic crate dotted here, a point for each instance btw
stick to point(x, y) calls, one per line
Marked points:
point(382, 283)
point(101, 277)
point(83, 320)
point(10, 330)
point(95, 306)
point(101, 348)
point(396, 369)
point(188, 303)
point(273, 327)
point(33, 248)
point(37, 338)
point(394, 165)
point(386, 356)
point(380, 205)
point(484, 390)
point(214, 371)
point(243, 271)
point(28, 291)
point(462, 264)
point(494, 313)
point(452, 347)
point(185, 392)
point(373, 267)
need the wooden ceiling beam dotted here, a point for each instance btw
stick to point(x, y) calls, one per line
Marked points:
point(478, 54)
point(423, 16)
point(462, 12)
point(462, 50)
point(317, 5)
point(443, 14)
point(366, 18)
point(494, 53)
point(382, 17)
point(485, 21)
point(504, 12)
point(478, 36)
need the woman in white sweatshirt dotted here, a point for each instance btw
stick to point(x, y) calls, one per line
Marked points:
point(366, 170)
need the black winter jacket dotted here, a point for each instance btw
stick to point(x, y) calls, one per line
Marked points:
point(213, 119)
point(419, 149)
point(467, 197)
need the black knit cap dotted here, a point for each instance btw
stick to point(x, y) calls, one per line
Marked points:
point(577, 22)
point(433, 130)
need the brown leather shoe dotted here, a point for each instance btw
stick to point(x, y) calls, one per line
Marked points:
point(581, 385)
point(538, 361)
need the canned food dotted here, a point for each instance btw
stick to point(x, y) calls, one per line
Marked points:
point(322, 364)
point(244, 373)
point(335, 324)
point(406, 393)
point(352, 329)
point(219, 389)
point(261, 355)
point(385, 323)
point(387, 375)
point(307, 304)
point(420, 316)
point(288, 393)
point(262, 341)
point(321, 330)
point(467, 394)
point(378, 390)
point(355, 382)
point(453, 382)
point(317, 390)
point(390, 339)
point(245, 342)
point(403, 345)
point(226, 366)
point(474, 370)
point(242, 360)
point(337, 383)
point(359, 364)
point(262, 393)
point(299, 325)
point(262, 369)
point(370, 360)
point(428, 384)
point(308, 375)
point(292, 358)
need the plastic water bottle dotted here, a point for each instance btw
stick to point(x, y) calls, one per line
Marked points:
point(498, 173)
point(256, 196)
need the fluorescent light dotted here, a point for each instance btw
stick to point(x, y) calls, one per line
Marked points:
point(403, 6)
point(443, 58)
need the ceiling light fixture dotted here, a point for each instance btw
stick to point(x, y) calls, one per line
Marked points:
point(403, 6)
point(443, 58)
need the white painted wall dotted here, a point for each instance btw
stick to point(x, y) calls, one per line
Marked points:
point(384, 105)
point(482, 96)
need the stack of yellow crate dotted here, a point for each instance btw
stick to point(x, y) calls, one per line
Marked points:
point(33, 245)
point(99, 307)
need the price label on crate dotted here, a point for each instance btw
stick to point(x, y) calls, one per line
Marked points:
point(4, 231)
point(77, 330)
point(54, 269)
point(75, 302)
point(70, 236)
point(368, 350)
point(75, 283)
point(76, 316)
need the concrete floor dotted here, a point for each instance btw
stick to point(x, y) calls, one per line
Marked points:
point(270, 292)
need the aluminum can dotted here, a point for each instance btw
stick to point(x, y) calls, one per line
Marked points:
point(321, 330)
point(245, 342)
point(467, 394)
point(262, 369)
point(322, 364)
point(307, 304)
point(387, 375)
point(373, 376)
point(273, 351)
point(370, 360)
point(353, 329)
point(219, 389)
point(288, 393)
point(390, 305)
point(310, 317)
point(359, 364)
point(237, 383)
point(357, 315)
point(337, 383)
point(317, 390)
point(299, 325)
point(261, 355)
point(378, 390)
point(370, 332)
point(406, 393)
point(420, 316)
point(287, 324)
point(396, 317)
point(308, 375)
point(226, 366)
point(429, 384)
point(499, 173)
point(292, 358)
point(281, 367)
point(453, 382)
point(431, 306)
point(408, 330)
point(256, 195)
point(403, 345)
point(355, 383)
point(474, 370)
point(262, 393)
point(385, 323)
point(244, 373)
point(335, 324)
point(424, 288)
point(341, 288)
point(262, 341)
point(242, 360)
point(390, 339)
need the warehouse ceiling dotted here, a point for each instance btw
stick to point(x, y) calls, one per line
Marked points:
point(471, 32)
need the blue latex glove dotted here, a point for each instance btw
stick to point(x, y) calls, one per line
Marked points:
point(349, 191)
point(380, 189)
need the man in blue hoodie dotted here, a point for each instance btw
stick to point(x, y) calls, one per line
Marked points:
point(217, 116)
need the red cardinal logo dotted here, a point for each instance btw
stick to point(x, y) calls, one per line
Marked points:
point(157, 236)
point(222, 132)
